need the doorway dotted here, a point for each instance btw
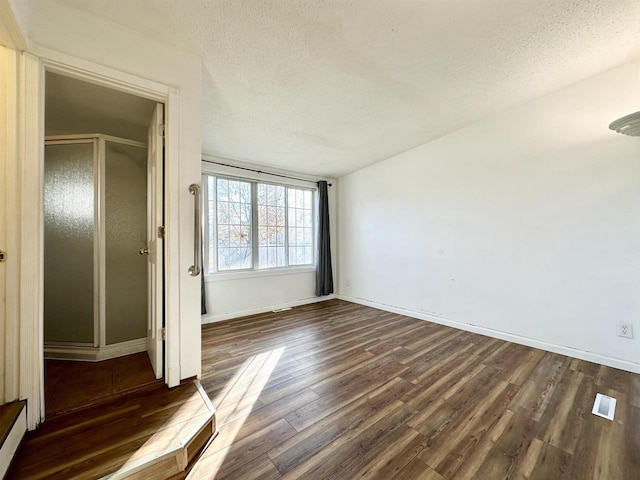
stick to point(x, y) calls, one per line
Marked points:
point(102, 262)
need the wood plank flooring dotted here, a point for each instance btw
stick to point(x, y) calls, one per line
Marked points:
point(70, 385)
point(337, 390)
point(117, 437)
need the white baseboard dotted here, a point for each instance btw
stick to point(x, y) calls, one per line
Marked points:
point(95, 354)
point(510, 337)
point(267, 308)
point(12, 442)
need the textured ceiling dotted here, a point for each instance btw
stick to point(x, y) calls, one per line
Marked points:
point(327, 87)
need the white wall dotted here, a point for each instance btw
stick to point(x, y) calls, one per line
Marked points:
point(54, 26)
point(237, 294)
point(522, 226)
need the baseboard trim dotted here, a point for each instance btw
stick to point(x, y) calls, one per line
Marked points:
point(206, 319)
point(95, 354)
point(510, 337)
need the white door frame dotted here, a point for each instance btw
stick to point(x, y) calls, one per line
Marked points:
point(10, 203)
point(32, 77)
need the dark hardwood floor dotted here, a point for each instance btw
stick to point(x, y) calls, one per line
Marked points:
point(153, 427)
point(337, 390)
point(70, 385)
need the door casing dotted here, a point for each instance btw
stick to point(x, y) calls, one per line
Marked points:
point(32, 75)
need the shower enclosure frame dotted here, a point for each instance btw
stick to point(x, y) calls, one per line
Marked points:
point(98, 349)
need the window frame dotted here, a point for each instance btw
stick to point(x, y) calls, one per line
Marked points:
point(210, 250)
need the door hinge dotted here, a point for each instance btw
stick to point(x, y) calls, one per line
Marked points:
point(163, 333)
point(161, 130)
point(161, 232)
point(3, 256)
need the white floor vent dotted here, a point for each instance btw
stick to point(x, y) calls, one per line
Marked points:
point(278, 310)
point(604, 406)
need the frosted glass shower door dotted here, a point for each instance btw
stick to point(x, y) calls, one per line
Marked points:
point(95, 243)
point(125, 232)
point(69, 243)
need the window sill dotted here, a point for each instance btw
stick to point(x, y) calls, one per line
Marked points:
point(271, 272)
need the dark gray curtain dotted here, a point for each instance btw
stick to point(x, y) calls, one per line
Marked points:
point(324, 273)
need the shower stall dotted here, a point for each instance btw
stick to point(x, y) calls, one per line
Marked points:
point(95, 247)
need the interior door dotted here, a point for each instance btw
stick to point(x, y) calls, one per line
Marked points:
point(155, 240)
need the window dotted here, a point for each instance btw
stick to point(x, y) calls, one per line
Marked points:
point(254, 225)
point(272, 226)
point(233, 213)
point(300, 227)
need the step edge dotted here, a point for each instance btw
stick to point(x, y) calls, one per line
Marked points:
point(12, 441)
point(173, 451)
point(105, 400)
point(22, 405)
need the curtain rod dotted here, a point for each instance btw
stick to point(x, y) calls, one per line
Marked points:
point(260, 171)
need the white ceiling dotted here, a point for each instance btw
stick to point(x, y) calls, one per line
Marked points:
point(328, 87)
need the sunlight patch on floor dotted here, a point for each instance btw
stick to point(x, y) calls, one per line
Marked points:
point(233, 406)
point(182, 419)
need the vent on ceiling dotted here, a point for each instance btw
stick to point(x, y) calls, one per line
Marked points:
point(604, 406)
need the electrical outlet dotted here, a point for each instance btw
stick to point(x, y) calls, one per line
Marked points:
point(625, 330)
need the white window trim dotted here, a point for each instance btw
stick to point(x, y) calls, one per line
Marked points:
point(314, 217)
point(206, 224)
point(255, 178)
point(263, 272)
